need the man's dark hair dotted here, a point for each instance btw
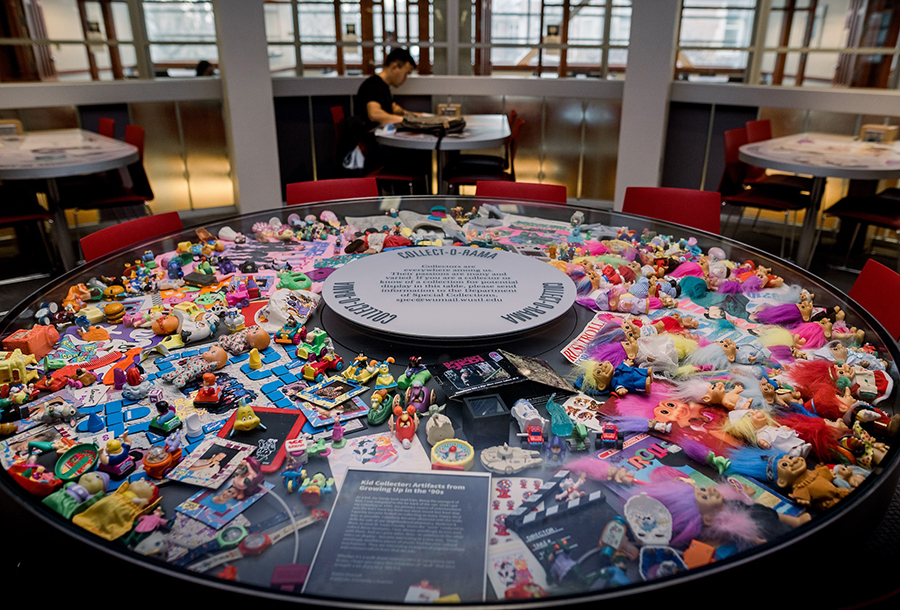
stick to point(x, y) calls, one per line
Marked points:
point(400, 56)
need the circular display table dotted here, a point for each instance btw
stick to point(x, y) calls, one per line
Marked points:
point(410, 533)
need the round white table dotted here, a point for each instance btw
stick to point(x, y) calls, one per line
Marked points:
point(55, 154)
point(482, 131)
point(823, 156)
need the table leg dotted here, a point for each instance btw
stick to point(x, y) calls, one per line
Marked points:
point(60, 228)
point(808, 232)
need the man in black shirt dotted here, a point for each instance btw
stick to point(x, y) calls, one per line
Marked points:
point(375, 107)
point(374, 100)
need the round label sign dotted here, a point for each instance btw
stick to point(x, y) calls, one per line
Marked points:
point(449, 292)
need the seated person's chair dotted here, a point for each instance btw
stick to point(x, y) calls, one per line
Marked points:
point(699, 209)
point(881, 210)
point(872, 290)
point(758, 131)
point(470, 169)
point(126, 234)
point(316, 191)
point(547, 193)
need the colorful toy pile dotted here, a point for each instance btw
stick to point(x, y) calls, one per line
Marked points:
point(718, 407)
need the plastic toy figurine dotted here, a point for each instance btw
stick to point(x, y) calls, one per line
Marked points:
point(416, 371)
point(113, 516)
point(337, 433)
point(115, 458)
point(246, 420)
point(315, 371)
point(555, 454)
point(136, 388)
point(160, 460)
point(208, 394)
point(419, 396)
point(384, 380)
point(406, 424)
point(248, 478)
point(757, 426)
point(77, 497)
point(362, 370)
point(59, 412)
point(255, 361)
point(314, 346)
point(291, 333)
point(571, 488)
point(312, 488)
point(166, 419)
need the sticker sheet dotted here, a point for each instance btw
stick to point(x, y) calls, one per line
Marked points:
point(380, 451)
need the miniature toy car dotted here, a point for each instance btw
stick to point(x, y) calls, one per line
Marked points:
point(315, 371)
point(610, 435)
point(314, 345)
point(291, 333)
point(534, 436)
point(361, 371)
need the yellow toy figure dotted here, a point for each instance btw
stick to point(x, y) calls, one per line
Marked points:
point(245, 420)
point(255, 361)
point(114, 515)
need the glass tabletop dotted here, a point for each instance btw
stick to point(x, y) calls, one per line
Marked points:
point(511, 528)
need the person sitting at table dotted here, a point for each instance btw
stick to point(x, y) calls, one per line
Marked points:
point(375, 107)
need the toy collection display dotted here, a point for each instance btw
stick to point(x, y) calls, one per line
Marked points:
point(694, 373)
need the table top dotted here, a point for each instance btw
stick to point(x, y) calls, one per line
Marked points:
point(482, 131)
point(63, 152)
point(826, 155)
point(521, 227)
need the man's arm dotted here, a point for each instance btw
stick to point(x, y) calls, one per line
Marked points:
point(378, 115)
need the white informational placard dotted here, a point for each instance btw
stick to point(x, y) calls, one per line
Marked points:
point(449, 292)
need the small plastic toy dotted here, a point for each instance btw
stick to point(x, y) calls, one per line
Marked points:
point(504, 459)
point(291, 333)
point(246, 420)
point(115, 458)
point(416, 371)
point(611, 436)
point(406, 424)
point(315, 371)
point(418, 396)
point(312, 488)
point(38, 340)
point(136, 388)
point(452, 454)
point(208, 394)
point(337, 433)
point(160, 460)
point(255, 361)
point(166, 419)
point(314, 346)
point(361, 370)
point(248, 477)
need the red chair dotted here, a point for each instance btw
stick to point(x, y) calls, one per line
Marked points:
point(758, 131)
point(107, 127)
point(548, 193)
point(873, 289)
point(737, 193)
point(471, 169)
point(123, 235)
point(300, 193)
point(699, 209)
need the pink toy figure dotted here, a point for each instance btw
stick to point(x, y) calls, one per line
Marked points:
point(337, 433)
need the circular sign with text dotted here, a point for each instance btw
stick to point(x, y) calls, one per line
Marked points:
point(449, 292)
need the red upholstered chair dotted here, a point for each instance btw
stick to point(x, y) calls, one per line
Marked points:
point(872, 290)
point(698, 209)
point(760, 130)
point(127, 234)
point(107, 127)
point(300, 193)
point(548, 193)
point(737, 193)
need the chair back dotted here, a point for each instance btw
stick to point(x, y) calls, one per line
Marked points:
point(757, 131)
point(501, 189)
point(698, 209)
point(126, 234)
point(300, 193)
point(106, 127)
point(140, 183)
point(873, 290)
point(735, 170)
point(134, 135)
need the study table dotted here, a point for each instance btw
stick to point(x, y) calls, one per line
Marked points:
point(823, 156)
point(482, 131)
point(48, 155)
point(527, 227)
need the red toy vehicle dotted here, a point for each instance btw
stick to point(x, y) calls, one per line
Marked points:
point(315, 371)
point(533, 435)
point(610, 435)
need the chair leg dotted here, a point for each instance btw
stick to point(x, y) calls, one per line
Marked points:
point(852, 241)
point(783, 235)
point(755, 220)
point(793, 226)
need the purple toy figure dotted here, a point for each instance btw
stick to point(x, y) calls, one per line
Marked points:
point(337, 433)
point(247, 478)
point(119, 379)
